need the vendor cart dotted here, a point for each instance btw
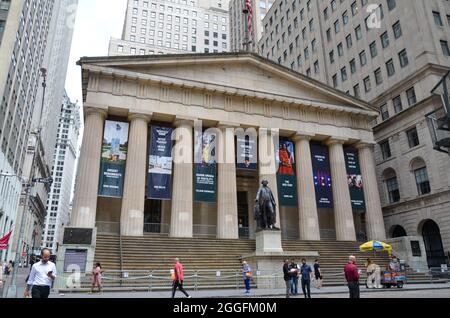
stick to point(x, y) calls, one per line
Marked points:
point(393, 279)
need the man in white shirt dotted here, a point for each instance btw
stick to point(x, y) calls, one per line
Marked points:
point(42, 275)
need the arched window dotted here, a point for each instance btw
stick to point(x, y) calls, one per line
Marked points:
point(433, 243)
point(398, 231)
point(419, 168)
point(390, 179)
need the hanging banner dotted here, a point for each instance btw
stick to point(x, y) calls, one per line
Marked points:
point(322, 176)
point(355, 181)
point(114, 156)
point(159, 181)
point(287, 181)
point(205, 171)
point(246, 153)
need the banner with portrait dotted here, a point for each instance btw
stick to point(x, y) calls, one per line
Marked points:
point(355, 181)
point(159, 181)
point(205, 171)
point(246, 152)
point(286, 178)
point(113, 159)
point(322, 176)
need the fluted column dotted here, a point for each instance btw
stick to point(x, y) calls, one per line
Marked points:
point(227, 212)
point(133, 203)
point(374, 216)
point(85, 201)
point(181, 223)
point(267, 164)
point(343, 213)
point(307, 208)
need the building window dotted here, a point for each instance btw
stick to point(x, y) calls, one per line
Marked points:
point(390, 67)
point(413, 137)
point(398, 107)
point(397, 29)
point(344, 74)
point(353, 66)
point(363, 58)
point(384, 112)
point(358, 32)
point(385, 150)
point(385, 40)
point(373, 49)
point(367, 84)
point(378, 76)
point(393, 190)
point(422, 181)
point(437, 19)
point(411, 94)
point(357, 91)
point(403, 56)
point(445, 48)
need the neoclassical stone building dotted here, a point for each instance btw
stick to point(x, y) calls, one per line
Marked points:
point(224, 91)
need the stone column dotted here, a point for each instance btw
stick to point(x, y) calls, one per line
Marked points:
point(374, 215)
point(227, 211)
point(181, 223)
point(267, 164)
point(343, 213)
point(307, 208)
point(133, 202)
point(85, 201)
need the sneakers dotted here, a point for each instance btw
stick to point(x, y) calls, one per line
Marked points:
point(189, 296)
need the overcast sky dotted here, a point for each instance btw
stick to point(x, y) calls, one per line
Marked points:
point(97, 21)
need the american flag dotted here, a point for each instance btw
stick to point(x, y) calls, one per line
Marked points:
point(248, 6)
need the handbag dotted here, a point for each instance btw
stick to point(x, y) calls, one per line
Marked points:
point(248, 275)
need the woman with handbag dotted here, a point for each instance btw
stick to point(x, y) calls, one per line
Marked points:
point(247, 271)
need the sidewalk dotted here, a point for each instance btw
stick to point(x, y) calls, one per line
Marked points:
point(256, 293)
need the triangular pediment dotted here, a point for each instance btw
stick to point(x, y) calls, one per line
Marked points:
point(241, 71)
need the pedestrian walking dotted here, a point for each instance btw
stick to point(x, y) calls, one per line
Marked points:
point(294, 273)
point(306, 273)
point(247, 272)
point(352, 277)
point(41, 277)
point(9, 268)
point(317, 275)
point(97, 277)
point(287, 277)
point(178, 278)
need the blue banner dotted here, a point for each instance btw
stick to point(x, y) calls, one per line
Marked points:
point(355, 181)
point(322, 176)
point(159, 181)
point(246, 153)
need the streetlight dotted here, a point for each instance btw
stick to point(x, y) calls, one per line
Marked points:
point(28, 184)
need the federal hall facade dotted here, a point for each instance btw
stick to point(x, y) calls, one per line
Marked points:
point(223, 91)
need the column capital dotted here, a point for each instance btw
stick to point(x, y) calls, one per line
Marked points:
point(95, 111)
point(135, 115)
point(335, 140)
point(362, 145)
point(184, 120)
point(298, 136)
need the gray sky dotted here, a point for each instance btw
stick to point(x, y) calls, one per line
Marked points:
point(97, 21)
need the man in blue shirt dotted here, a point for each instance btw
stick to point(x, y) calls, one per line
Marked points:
point(306, 273)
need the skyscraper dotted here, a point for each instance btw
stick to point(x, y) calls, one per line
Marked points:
point(65, 154)
point(35, 45)
point(173, 26)
point(390, 53)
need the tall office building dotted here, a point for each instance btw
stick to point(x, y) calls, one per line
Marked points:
point(36, 35)
point(173, 26)
point(238, 25)
point(64, 158)
point(390, 53)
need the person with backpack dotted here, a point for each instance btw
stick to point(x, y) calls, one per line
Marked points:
point(247, 271)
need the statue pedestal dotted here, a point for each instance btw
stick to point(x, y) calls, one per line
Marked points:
point(268, 260)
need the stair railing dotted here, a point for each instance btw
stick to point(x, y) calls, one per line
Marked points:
point(120, 258)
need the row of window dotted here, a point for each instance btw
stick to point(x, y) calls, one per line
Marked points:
point(413, 141)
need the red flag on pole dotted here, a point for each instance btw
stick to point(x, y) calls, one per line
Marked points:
point(4, 241)
point(248, 6)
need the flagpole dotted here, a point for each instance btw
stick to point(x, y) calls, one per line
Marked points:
point(246, 37)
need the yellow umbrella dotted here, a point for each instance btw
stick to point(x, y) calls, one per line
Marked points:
point(376, 246)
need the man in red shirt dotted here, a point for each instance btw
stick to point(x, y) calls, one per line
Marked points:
point(352, 277)
point(178, 277)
